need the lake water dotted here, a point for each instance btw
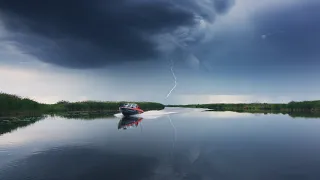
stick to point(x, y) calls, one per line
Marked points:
point(170, 144)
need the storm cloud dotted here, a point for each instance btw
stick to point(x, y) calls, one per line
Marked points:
point(293, 30)
point(88, 34)
point(275, 39)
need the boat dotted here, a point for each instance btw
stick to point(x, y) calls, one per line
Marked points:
point(129, 122)
point(130, 109)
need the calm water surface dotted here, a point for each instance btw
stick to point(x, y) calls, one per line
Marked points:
point(190, 145)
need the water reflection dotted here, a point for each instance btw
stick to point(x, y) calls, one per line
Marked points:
point(80, 163)
point(12, 123)
point(129, 122)
point(293, 114)
point(86, 115)
point(185, 146)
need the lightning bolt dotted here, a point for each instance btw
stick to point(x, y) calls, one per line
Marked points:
point(174, 77)
point(182, 45)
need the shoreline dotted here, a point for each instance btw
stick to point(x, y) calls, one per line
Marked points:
point(303, 106)
point(13, 105)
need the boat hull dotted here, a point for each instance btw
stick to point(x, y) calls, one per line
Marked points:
point(130, 111)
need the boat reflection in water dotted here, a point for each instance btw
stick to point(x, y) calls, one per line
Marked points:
point(129, 122)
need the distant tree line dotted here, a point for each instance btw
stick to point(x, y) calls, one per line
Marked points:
point(100, 106)
point(304, 106)
point(12, 104)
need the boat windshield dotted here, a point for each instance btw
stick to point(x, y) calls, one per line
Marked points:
point(130, 105)
point(133, 105)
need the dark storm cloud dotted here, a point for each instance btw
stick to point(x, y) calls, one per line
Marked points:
point(222, 6)
point(83, 34)
point(208, 9)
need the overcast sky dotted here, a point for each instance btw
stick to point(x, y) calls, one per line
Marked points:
point(222, 50)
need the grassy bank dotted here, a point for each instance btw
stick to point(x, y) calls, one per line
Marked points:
point(17, 106)
point(304, 106)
